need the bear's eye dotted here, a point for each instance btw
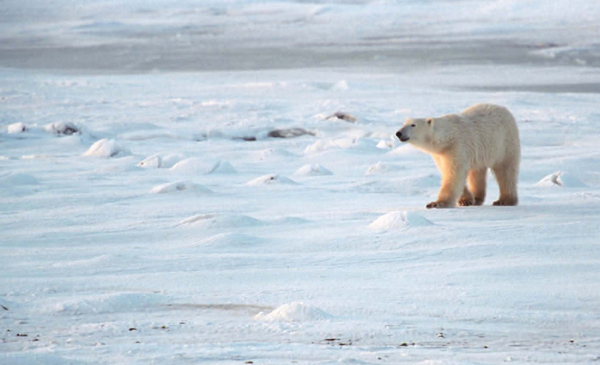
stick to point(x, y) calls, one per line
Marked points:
point(412, 125)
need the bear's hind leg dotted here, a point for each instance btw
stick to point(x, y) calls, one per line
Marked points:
point(477, 185)
point(507, 175)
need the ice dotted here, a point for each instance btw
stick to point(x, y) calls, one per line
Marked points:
point(106, 303)
point(34, 358)
point(247, 162)
point(17, 179)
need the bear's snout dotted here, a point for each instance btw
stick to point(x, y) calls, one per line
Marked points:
point(401, 137)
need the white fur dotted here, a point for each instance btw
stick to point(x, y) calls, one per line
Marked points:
point(464, 146)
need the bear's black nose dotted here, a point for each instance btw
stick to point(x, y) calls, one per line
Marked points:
point(399, 135)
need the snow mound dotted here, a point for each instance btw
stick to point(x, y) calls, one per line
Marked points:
point(271, 153)
point(388, 144)
point(561, 179)
point(170, 160)
point(341, 85)
point(105, 303)
point(178, 186)
point(192, 165)
point(222, 167)
point(290, 220)
point(148, 135)
point(312, 170)
point(294, 312)
point(381, 168)
point(405, 150)
point(156, 161)
point(342, 116)
point(17, 179)
point(195, 165)
point(17, 128)
point(220, 221)
point(384, 145)
point(399, 220)
point(224, 240)
point(357, 144)
point(152, 162)
point(66, 128)
point(343, 143)
point(289, 133)
point(320, 146)
point(107, 148)
point(270, 179)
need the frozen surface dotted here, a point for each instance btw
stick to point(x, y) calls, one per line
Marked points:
point(150, 213)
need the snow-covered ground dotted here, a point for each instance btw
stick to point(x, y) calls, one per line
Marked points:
point(149, 215)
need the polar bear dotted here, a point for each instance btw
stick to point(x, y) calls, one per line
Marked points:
point(463, 147)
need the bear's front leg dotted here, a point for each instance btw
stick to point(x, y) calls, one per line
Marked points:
point(454, 177)
point(466, 199)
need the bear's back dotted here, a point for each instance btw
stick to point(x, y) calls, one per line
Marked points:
point(494, 133)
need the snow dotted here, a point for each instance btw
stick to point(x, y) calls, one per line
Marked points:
point(222, 167)
point(381, 168)
point(64, 128)
point(219, 182)
point(193, 165)
point(233, 241)
point(293, 312)
point(16, 128)
point(221, 221)
point(312, 170)
point(17, 179)
point(178, 186)
point(270, 179)
point(154, 161)
point(561, 179)
point(106, 148)
point(399, 220)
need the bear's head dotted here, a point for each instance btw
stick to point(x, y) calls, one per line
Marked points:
point(426, 133)
point(416, 131)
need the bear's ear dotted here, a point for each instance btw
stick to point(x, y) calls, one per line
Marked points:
point(430, 121)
